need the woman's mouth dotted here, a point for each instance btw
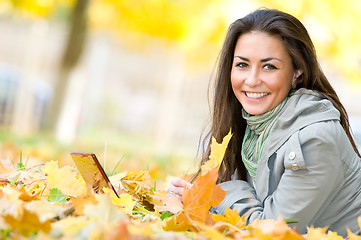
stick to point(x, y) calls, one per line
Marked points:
point(255, 95)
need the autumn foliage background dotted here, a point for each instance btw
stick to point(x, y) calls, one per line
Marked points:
point(128, 81)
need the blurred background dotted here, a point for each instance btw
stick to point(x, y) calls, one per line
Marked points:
point(128, 80)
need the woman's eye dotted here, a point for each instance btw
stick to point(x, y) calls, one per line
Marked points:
point(269, 67)
point(242, 65)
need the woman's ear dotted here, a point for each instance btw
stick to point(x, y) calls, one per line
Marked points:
point(296, 75)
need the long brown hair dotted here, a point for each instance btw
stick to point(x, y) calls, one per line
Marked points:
point(226, 111)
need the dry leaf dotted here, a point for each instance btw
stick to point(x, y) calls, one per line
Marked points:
point(274, 229)
point(125, 201)
point(120, 230)
point(230, 216)
point(211, 233)
point(320, 233)
point(5, 170)
point(139, 176)
point(27, 223)
point(144, 230)
point(27, 197)
point(80, 202)
point(170, 204)
point(104, 212)
point(46, 210)
point(71, 226)
point(203, 195)
point(142, 193)
point(178, 223)
point(217, 153)
point(73, 186)
point(353, 236)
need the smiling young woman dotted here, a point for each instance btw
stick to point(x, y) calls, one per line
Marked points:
point(262, 72)
point(292, 154)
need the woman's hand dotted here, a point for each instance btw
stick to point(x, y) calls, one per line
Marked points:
point(177, 187)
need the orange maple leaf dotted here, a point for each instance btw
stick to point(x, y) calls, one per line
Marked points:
point(197, 201)
point(80, 202)
point(26, 197)
point(203, 195)
point(28, 223)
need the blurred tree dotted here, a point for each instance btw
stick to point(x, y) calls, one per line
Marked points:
point(192, 30)
point(195, 27)
point(189, 33)
point(59, 10)
point(74, 48)
point(55, 9)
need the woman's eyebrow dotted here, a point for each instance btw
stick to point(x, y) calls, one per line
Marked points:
point(270, 58)
point(243, 58)
point(262, 60)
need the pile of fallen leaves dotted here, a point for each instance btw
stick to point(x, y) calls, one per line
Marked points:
point(48, 202)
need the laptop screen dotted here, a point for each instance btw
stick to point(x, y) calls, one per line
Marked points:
point(91, 171)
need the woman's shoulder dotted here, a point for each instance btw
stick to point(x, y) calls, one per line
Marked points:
point(303, 108)
point(326, 130)
point(306, 98)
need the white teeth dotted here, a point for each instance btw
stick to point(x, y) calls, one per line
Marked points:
point(256, 95)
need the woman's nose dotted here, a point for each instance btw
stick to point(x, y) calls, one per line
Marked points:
point(252, 78)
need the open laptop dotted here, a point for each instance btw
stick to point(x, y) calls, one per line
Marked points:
point(91, 171)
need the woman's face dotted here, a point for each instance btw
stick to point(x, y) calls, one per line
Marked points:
point(262, 72)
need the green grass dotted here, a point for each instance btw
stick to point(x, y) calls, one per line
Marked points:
point(123, 152)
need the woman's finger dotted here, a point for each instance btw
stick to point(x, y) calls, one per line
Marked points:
point(179, 182)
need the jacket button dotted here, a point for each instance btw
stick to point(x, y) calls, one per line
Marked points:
point(292, 155)
point(294, 167)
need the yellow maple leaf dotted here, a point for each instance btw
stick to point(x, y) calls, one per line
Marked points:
point(71, 226)
point(320, 233)
point(144, 230)
point(139, 176)
point(178, 223)
point(117, 231)
point(27, 223)
point(66, 179)
point(230, 216)
point(46, 210)
point(217, 153)
point(104, 212)
point(351, 235)
point(142, 193)
point(124, 201)
point(273, 229)
point(211, 233)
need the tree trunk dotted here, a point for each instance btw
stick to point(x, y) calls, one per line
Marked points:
point(73, 51)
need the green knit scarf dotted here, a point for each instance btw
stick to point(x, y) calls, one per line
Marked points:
point(257, 132)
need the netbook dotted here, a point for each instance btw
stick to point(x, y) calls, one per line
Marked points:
point(92, 172)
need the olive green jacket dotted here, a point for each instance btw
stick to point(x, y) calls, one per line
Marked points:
point(308, 170)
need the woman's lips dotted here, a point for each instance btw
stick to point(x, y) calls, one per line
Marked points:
point(255, 95)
